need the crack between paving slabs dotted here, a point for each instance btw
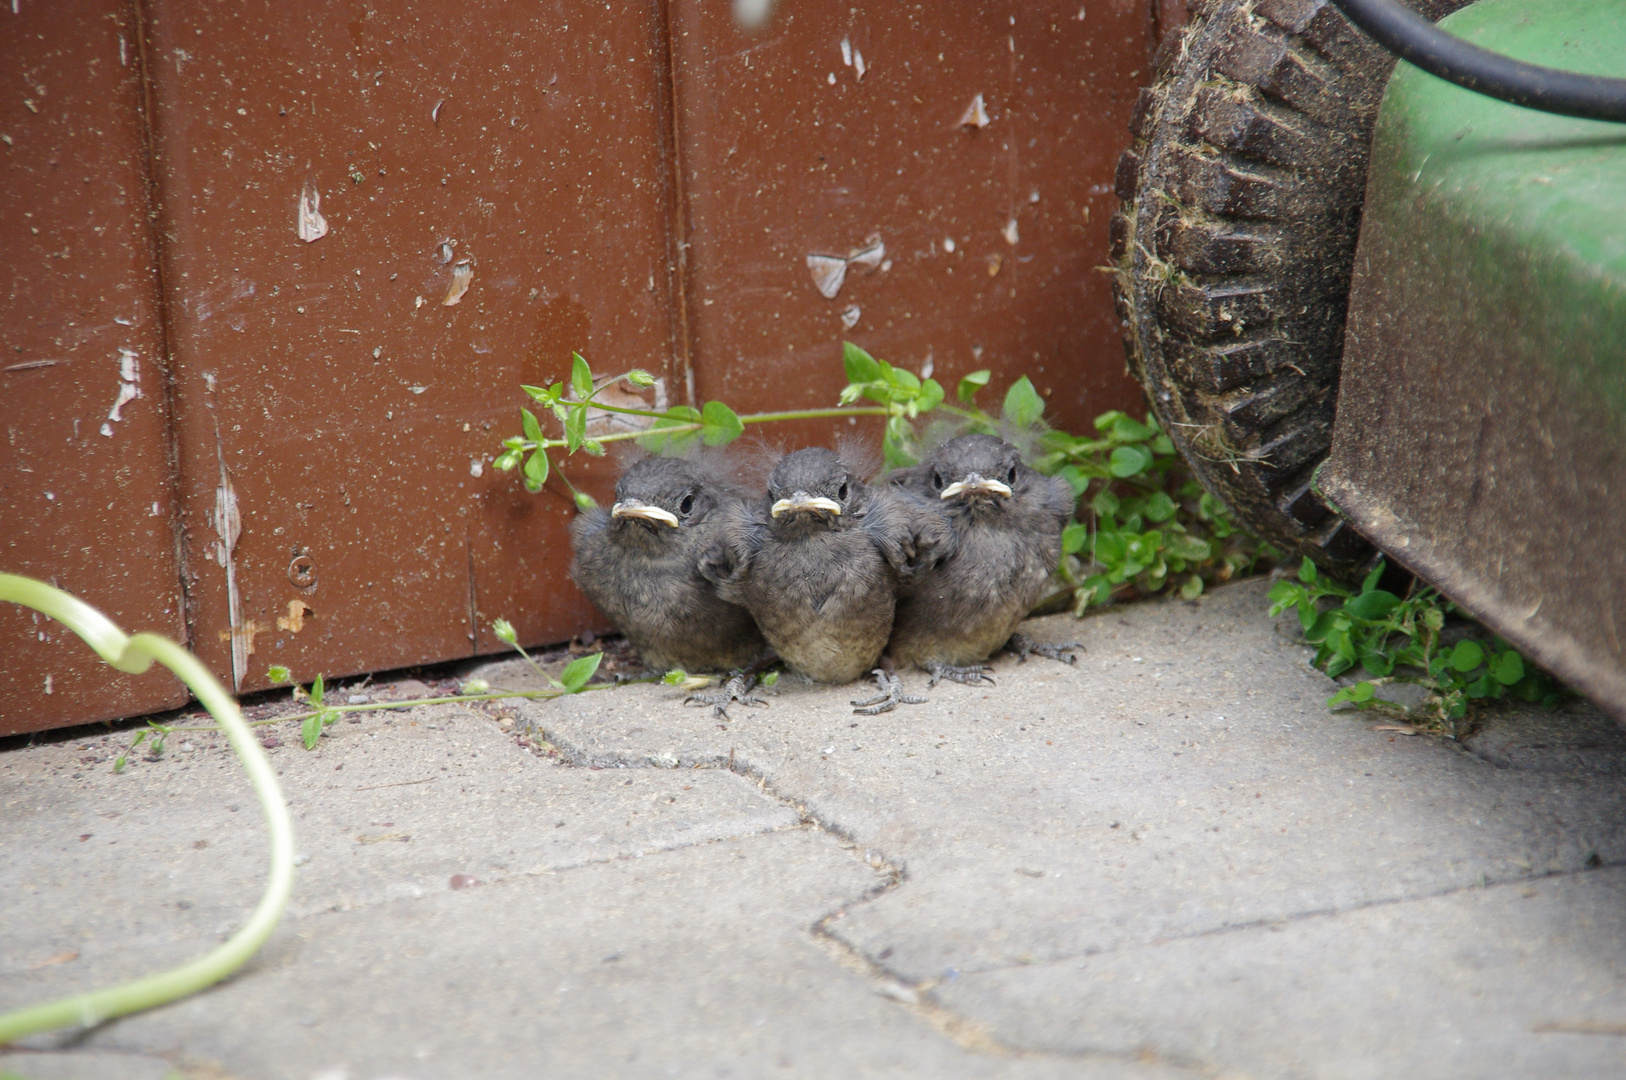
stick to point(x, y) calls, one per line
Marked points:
point(1301, 916)
point(914, 998)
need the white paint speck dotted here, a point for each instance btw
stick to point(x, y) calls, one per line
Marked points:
point(311, 225)
point(831, 78)
point(1010, 233)
point(948, 244)
point(477, 467)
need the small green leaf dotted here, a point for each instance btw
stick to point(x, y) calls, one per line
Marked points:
point(970, 384)
point(277, 673)
point(1325, 624)
point(1186, 546)
point(316, 691)
point(536, 470)
point(585, 502)
point(1434, 618)
point(770, 679)
point(593, 447)
point(640, 378)
point(581, 376)
point(1076, 478)
point(1377, 663)
point(902, 378)
point(1363, 691)
point(1373, 578)
point(533, 429)
point(931, 395)
point(1074, 537)
point(1127, 461)
point(1129, 430)
point(861, 367)
point(1023, 406)
point(311, 730)
point(675, 677)
point(575, 428)
point(657, 441)
point(578, 671)
point(1467, 656)
point(1105, 504)
point(1159, 507)
point(503, 631)
point(1372, 605)
point(507, 460)
point(1192, 588)
point(1307, 571)
point(541, 395)
point(1508, 668)
point(723, 424)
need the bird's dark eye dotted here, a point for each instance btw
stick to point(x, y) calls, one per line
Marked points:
point(841, 492)
point(937, 480)
point(1010, 477)
point(686, 507)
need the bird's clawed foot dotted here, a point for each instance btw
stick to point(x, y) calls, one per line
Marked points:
point(969, 674)
point(740, 688)
point(890, 697)
point(1024, 647)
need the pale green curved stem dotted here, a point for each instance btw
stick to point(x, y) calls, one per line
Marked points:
point(135, 655)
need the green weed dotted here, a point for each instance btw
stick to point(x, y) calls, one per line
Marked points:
point(1399, 639)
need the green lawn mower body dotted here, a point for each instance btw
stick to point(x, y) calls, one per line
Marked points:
point(1479, 436)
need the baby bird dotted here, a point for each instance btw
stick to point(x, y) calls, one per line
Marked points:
point(640, 564)
point(820, 565)
point(1005, 520)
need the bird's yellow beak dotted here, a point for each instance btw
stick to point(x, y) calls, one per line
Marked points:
point(802, 502)
point(634, 508)
point(975, 485)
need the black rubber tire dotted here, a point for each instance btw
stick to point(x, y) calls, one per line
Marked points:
point(1241, 200)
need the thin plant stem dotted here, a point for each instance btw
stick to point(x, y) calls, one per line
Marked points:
point(134, 655)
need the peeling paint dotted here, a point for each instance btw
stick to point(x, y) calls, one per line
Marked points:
point(129, 389)
point(619, 394)
point(850, 316)
point(295, 622)
point(976, 114)
point(1010, 233)
point(312, 226)
point(228, 525)
point(462, 278)
point(829, 274)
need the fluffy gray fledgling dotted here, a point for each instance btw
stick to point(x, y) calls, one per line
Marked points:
point(1005, 520)
point(639, 563)
point(819, 565)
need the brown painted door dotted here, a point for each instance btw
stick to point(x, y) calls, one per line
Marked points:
point(373, 221)
point(87, 494)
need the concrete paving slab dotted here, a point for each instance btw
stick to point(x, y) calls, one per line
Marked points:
point(1515, 980)
point(625, 922)
point(395, 806)
point(1170, 860)
point(1185, 779)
